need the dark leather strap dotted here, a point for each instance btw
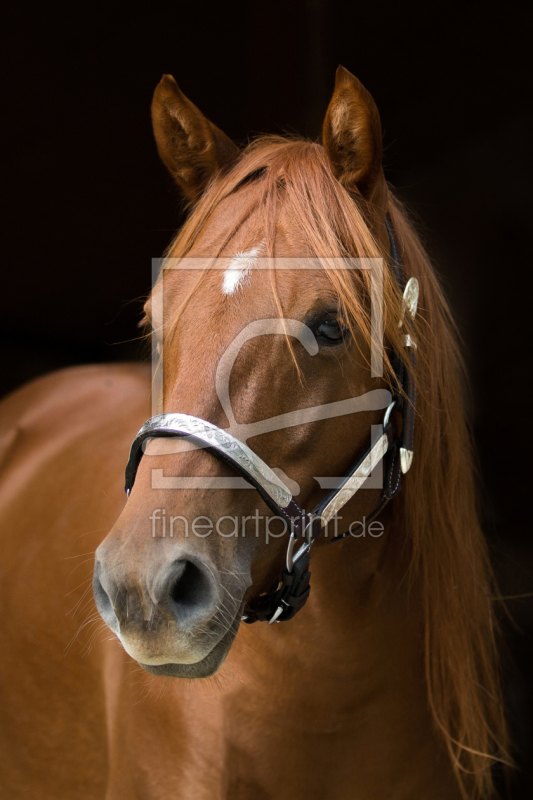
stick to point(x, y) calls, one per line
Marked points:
point(287, 598)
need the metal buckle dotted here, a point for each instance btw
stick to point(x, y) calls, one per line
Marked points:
point(387, 414)
point(290, 559)
point(275, 615)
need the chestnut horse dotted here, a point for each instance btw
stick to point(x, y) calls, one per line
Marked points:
point(385, 685)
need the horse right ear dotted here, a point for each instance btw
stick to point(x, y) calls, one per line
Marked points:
point(191, 147)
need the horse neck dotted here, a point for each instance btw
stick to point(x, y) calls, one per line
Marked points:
point(357, 618)
point(362, 604)
point(353, 658)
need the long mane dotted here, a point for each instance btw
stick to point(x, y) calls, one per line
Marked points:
point(448, 565)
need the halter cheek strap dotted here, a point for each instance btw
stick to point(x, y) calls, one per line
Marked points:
point(292, 590)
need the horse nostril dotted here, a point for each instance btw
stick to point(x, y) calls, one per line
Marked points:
point(185, 587)
point(103, 602)
point(190, 591)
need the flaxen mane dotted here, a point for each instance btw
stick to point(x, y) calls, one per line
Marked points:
point(448, 565)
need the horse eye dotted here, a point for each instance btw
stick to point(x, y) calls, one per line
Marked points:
point(331, 331)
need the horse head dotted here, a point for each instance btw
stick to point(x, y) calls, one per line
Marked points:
point(264, 333)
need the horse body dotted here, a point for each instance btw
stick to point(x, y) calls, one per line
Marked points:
point(384, 685)
point(58, 497)
point(81, 721)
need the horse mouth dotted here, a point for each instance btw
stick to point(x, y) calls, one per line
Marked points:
point(204, 668)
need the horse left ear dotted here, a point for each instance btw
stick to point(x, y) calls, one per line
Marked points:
point(190, 146)
point(351, 136)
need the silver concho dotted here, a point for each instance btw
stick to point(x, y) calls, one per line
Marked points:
point(410, 296)
point(406, 459)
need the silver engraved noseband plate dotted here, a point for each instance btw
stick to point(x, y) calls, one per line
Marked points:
point(204, 433)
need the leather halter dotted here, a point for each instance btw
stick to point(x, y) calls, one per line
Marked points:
point(292, 590)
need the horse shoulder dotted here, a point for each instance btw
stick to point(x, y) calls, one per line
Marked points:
point(63, 442)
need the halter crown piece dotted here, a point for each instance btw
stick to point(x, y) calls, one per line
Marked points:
point(292, 590)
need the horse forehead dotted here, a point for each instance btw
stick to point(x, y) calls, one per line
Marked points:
point(240, 285)
point(241, 270)
point(237, 272)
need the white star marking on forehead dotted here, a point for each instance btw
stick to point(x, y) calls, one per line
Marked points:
point(239, 269)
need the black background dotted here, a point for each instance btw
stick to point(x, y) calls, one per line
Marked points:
point(87, 203)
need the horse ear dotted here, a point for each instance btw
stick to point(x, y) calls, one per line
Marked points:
point(191, 147)
point(352, 139)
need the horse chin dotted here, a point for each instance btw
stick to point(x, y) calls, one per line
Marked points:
point(204, 668)
point(207, 665)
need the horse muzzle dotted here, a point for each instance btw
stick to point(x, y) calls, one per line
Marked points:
point(169, 616)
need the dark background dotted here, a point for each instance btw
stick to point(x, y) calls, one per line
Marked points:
point(87, 203)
